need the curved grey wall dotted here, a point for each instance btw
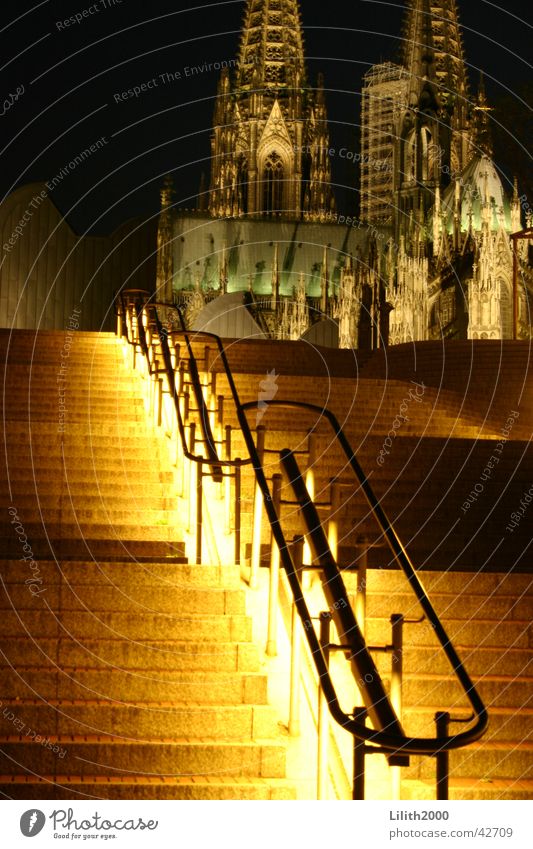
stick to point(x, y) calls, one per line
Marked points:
point(46, 270)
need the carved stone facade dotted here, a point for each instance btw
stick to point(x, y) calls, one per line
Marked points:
point(348, 308)
point(270, 135)
point(452, 274)
point(409, 299)
point(435, 259)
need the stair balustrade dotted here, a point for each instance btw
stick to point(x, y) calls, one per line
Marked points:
point(157, 332)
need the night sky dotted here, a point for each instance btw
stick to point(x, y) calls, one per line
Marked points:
point(67, 79)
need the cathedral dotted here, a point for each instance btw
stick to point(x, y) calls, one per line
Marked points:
point(266, 253)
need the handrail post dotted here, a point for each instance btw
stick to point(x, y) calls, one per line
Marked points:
point(151, 394)
point(181, 381)
point(159, 383)
point(255, 555)
point(311, 462)
point(119, 332)
point(199, 508)
point(294, 698)
point(227, 483)
point(238, 490)
point(323, 713)
point(396, 687)
point(442, 721)
point(310, 483)
point(333, 521)
point(362, 582)
point(207, 351)
point(191, 482)
point(220, 418)
point(273, 589)
point(212, 401)
point(359, 754)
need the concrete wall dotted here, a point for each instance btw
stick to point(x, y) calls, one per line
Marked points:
point(46, 269)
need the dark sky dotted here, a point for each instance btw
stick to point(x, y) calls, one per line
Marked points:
point(67, 78)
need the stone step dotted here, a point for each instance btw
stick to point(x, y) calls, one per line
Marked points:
point(141, 720)
point(479, 661)
point(204, 688)
point(464, 633)
point(69, 481)
point(93, 530)
point(126, 576)
point(476, 789)
point(496, 691)
point(117, 654)
point(90, 480)
point(468, 606)
point(78, 500)
point(198, 788)
point(492, 761)
point(106, 515)
point(464, 584)
point(83, 626)
point(121, 549)
point(510, 724)
point(19, 431)
point(85, 468)
point(133, 415)
point(100, 381)
point(137, 600)
point(132, 436)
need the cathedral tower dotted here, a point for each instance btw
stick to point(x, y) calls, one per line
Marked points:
point(270, 136)
point(433, 132)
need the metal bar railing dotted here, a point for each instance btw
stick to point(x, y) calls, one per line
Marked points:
point(388, 736)
point(135, 308)
point(382, 736)
point(203, 412)
point(376, 699)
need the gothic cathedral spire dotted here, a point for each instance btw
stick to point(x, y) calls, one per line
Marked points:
point(434, 131)
point(270, 133)
point(433, 48)
point(272, 50)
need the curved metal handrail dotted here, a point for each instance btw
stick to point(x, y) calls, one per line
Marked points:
point(389, 742)
point(412, 745)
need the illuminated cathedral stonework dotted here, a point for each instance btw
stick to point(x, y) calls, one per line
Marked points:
point(270, 136)
point(432, 258)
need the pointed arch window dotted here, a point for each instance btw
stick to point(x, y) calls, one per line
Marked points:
point(425, 138)
point(242, 184)
point(273, 185)
point(410, 158)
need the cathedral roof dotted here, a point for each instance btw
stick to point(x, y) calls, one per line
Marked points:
point(480, 187)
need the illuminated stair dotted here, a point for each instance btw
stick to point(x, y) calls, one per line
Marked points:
point(124, 672)
point(485, 597)
point(145, 666)
point(488, 618)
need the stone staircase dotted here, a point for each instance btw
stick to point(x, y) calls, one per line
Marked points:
point(125, 673)
point(480, 580)
point(488, 618)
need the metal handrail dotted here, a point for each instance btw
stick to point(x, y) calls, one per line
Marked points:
point(213, 460)
point(412, 745)
point(203, 412)
point(383, 712)
point(195, 377)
